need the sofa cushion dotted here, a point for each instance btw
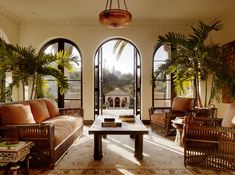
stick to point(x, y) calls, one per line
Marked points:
point(16, 114)
point(64, 126)
point(228, 117)
point(39, 110)
point(52, 107)
point(182, 104)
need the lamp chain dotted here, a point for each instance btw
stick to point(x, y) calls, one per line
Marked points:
point(110, 3)
point(118, 4)
point(125, 4)
point(107, 3)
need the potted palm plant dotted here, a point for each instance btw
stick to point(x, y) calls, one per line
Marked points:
point(29, 67)
point(195, 60)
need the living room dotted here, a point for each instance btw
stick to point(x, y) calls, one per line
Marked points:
point(37, 23)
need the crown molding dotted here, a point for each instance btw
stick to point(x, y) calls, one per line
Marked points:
point(95, 23)
point(9, 16)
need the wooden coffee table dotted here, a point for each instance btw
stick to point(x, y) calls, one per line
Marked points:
point(135, 129)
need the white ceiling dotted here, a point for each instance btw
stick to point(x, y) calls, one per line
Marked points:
point(140, 9)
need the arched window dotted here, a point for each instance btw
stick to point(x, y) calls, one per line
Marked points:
point(73, 96)
point(162, 84)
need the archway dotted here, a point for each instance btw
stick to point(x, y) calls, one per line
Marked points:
point(117, 75)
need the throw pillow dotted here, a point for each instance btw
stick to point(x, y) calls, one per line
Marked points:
point(16, 114)
point(39, 110)
point(228, 117)
point(52, 107)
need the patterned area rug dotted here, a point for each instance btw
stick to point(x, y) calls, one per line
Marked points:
point(161, 157)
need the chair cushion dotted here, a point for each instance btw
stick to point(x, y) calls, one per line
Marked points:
point(158, 118)
point(39, 110)
point(16, 114)
point(228, 117)
point(52, 107)
point(233, 120)
point(64, 126)
point(182, 103)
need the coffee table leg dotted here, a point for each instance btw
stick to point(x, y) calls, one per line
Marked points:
point(139, 146)
point(98, 147)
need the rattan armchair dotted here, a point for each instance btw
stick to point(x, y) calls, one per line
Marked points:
point(208, 144)
point(160, 117)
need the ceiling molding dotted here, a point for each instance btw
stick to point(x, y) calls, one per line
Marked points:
point(8, 16)
point(95, 23)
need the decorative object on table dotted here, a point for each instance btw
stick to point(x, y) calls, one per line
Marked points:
point(127, 118)
point(115, 16)
point(111, 122)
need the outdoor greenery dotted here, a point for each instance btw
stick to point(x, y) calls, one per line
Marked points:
point(114, 79)
point(111, 80)
point(29, 67)
point(195, 59)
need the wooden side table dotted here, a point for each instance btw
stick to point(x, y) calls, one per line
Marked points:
point(12, 154)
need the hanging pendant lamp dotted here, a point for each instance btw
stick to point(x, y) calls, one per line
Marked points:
point(115, 17)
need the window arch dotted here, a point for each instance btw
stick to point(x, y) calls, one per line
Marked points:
point(73, 96)
point(162, 91)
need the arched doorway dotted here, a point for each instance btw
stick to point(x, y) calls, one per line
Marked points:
point(117, 70)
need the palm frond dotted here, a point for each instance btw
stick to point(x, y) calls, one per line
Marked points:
point(118, 48)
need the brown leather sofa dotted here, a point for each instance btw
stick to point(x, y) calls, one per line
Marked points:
point(52, 130)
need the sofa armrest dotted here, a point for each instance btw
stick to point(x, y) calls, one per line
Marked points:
point(71, 111)
point(32, 131)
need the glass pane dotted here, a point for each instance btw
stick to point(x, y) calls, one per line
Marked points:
point(157, 64)
point(74, 75)
point(74, 92)
point(138, 59)
point(72, 103)
point(138, 102)
point(162, 103)
point(138, 78)
point(96, 78)
point(51, 89)
point(162, 90)
point(75, 62)
point(51, 49)
point(96, 100)
point(162, 53)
